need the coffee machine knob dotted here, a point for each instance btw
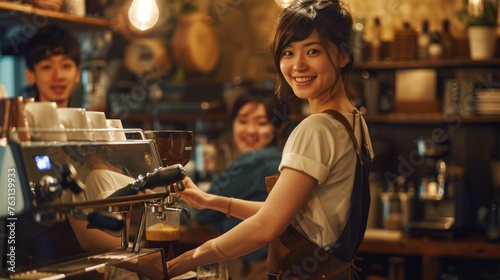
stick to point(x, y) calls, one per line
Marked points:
point(47, 189)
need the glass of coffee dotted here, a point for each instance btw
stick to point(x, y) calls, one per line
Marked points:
point(174, 146)
point(162, 231)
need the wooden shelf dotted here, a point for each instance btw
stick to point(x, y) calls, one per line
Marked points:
point(12, 14)
point(443, 63)
point(177, 117)
point(435, 118)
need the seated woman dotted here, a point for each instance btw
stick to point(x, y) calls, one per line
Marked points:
point(258, 120)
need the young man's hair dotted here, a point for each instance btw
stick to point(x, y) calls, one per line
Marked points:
point(51, 40)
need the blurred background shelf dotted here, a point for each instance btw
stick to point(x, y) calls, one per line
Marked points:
point(436, 64)
point(12, 14)
point(173, 117)
point(428, 118)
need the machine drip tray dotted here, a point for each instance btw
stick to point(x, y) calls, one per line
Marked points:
point(147, 261)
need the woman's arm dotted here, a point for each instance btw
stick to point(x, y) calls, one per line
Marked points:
point(199, 199)
point(287, 197)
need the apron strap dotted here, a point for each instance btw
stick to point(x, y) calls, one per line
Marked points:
point(339, 117)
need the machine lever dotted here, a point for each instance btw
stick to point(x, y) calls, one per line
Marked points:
point(160, 177)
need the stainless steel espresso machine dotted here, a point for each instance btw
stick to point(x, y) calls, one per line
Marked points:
point(44, 183)
point(444, 209)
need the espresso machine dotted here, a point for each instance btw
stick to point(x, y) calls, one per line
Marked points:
point(45, 182)
point(443, 209)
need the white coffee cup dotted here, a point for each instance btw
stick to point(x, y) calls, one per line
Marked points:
point(115, 124)
point(74, 121)
point(44, 122)
point(97, 121)
point(75, 7)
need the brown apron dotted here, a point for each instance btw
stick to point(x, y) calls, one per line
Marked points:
point(293, 256)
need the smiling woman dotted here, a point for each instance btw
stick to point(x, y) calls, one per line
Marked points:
point(319, 202)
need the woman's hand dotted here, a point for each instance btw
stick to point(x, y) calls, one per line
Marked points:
point(192, 195)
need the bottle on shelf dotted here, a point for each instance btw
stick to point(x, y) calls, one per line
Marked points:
point(376, 40)
point(447, 40)
point(424, 40)
point(358, 41)
point(435, 47)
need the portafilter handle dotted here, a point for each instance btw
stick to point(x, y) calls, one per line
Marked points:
point(160, 177)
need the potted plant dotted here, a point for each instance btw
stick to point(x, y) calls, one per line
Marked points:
point(481, 19)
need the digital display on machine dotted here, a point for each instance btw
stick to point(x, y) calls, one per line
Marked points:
point(43, 162)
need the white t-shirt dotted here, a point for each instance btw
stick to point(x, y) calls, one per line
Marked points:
point(321, 147)
point(101, 183)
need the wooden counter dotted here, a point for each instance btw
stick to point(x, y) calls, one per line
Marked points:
point(392, 243)
point(431, 251)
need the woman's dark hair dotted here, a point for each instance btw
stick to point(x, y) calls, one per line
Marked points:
point(329, 18)
point(51, 40)
point(277, 111)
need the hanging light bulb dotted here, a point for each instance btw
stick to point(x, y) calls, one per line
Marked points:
point(143, 14)
point(283, 3)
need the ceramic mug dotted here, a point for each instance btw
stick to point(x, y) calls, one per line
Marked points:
point(96, 122)
point(74, 120)
point(115, 124)
point(44, 122)
point(75, 7)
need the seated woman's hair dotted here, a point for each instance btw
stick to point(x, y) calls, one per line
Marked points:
point(278, 111)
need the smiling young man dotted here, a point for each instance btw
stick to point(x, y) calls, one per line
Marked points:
point(53, 64)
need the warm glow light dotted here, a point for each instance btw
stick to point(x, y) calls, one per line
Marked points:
point(143, 14)
point(475, 8)
point(283, 3)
